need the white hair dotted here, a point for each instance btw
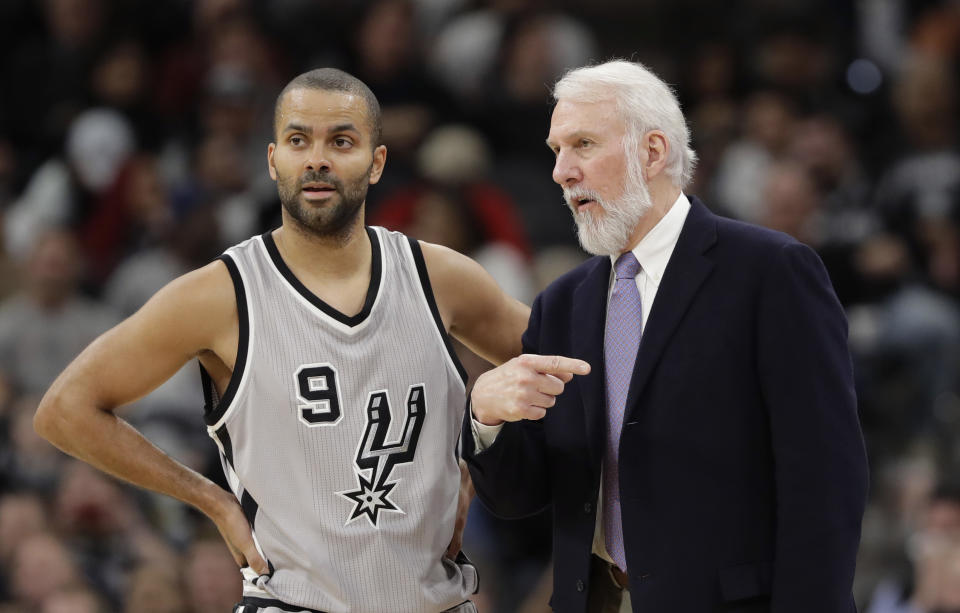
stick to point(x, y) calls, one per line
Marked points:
point(644, 100)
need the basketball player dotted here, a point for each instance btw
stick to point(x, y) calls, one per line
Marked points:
point(334, 395)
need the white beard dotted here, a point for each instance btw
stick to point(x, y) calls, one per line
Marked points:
point(607, 229)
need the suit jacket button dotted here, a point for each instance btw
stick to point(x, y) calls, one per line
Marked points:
point(587, 507)
point(579, 585)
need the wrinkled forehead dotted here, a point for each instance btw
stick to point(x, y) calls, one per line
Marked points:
point(320, 108)
point(572, 118)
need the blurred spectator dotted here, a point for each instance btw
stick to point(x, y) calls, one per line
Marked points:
point(211, 576)
point(29, 462)
point(155, 589)
point(389, 59)
point(64, 191)
point(466, 50)
point(44, 566)
point(21, 516)
point(934, 550)
point(74, 600)
point(9, 269)
point(919, 195)
point(456, 206)
point(217, 180)
point(134, 212)
point(8, 171)
point(48, 323)
point(49, 70)
point(768, 124)
point(223, 37)
point(103, 525)
point(790, 203)
point(120, 79)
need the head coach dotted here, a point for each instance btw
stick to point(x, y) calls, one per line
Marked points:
point(686, 406)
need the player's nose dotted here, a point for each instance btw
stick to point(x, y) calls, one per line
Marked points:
point(316, 159)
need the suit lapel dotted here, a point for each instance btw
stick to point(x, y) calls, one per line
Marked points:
point(589, 319)
point(686, 271)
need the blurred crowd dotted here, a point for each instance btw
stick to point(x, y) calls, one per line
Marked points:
point(132, 149)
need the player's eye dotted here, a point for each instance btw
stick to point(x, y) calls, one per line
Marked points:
point(342, 142)
point(296, 141)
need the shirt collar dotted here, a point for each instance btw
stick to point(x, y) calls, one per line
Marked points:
point(654, 250)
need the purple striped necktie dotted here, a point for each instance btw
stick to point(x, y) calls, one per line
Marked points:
point(621, 341)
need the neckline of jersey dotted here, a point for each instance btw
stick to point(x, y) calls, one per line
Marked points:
point(376, 274)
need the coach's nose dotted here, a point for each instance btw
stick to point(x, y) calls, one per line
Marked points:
point(566, 170)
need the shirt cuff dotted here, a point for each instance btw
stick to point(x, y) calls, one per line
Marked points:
point(483, 435)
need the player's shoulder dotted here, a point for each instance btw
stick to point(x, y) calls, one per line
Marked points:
point(205, 291)
point(444, 264)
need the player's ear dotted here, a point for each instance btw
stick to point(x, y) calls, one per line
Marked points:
point(270, 167)
point(379, 161)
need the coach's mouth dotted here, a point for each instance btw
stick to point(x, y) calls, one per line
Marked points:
point(584, 203)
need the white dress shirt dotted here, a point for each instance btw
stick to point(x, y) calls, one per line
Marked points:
point(653, 252)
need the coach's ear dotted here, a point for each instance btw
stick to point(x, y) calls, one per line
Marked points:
point(379, 161)
point(270, 167)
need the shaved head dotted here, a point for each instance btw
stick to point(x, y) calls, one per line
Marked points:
point(334, 80)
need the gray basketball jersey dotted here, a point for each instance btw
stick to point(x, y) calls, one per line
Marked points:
point(338, 436)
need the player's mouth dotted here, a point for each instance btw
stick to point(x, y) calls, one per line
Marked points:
point(317, 191)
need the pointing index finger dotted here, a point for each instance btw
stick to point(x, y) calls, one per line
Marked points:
point(557, 365)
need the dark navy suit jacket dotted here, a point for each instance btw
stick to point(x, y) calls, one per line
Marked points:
point(743, 475)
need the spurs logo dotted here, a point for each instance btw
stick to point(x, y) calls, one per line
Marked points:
point(377, 458)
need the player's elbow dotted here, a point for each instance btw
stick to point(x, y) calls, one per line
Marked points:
point(48, 421)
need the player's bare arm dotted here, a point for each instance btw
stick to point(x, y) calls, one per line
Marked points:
point(489, 322)
point(194, 316)
point(473, 307)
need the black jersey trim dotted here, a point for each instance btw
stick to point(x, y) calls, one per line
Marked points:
point(249, 506)
point(224, 437)
point(432, 303)
point(215, 407)
point(376, 272)
point(263, 603)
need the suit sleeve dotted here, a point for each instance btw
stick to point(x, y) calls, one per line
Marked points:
point(511, 476)
point(820, 461)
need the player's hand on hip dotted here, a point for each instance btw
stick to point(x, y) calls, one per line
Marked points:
point(236, 533)
point(523, 388)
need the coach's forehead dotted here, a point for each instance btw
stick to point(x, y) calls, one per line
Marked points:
point(318, 106)
point(572, 119)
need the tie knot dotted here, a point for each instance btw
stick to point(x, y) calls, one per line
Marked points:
point(627, 266)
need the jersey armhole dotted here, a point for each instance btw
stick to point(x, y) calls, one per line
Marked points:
point(427, 289)
point(216, 407)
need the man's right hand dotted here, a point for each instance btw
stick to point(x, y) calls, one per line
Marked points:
point(523, 388)
point(236, 533)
